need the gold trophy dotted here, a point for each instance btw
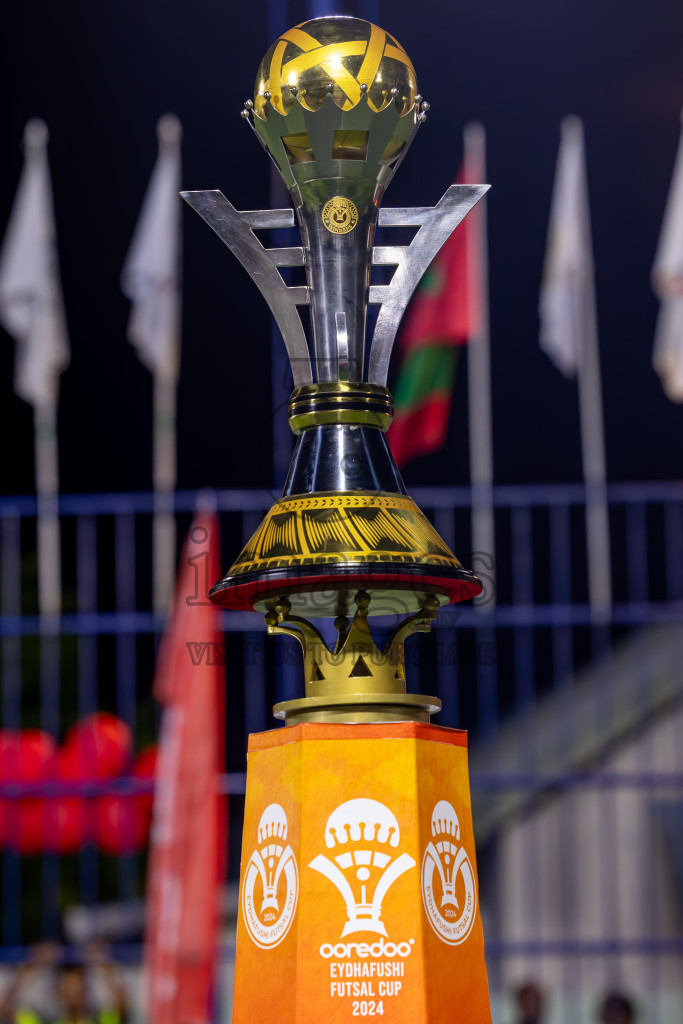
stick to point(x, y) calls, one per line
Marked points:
point(357, 818)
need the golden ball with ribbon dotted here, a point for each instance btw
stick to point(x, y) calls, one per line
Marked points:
point(342, 56)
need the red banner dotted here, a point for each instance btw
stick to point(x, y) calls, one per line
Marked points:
point(189, 822)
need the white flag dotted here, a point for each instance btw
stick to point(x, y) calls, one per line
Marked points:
point(667, 279)
point(569, 335)
point(565, 306)
point(151, 274)
point(31, 303)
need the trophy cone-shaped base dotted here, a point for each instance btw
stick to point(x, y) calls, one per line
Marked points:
point(319, 549)
point(344, 523)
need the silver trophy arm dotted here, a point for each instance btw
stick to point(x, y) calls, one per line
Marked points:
point(436, 225)
point(236, 229)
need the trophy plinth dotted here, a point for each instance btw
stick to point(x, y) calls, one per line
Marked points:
point(344, 803)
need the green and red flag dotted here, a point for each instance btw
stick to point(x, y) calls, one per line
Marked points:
point(444, 315)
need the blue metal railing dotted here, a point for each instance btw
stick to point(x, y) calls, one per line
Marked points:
point(488, 664)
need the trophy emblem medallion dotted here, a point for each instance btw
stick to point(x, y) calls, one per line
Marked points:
point(339, 215)
point(271, 883)
point(449, 890)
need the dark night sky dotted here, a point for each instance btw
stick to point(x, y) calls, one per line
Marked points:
point(102, 73)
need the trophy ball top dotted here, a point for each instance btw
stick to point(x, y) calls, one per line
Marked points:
point(338, 56)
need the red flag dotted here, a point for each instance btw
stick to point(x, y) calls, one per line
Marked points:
point(445, 314)
point(189, 823)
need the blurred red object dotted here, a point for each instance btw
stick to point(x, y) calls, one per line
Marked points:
point(122, 821)
point(146, 768)
point(102, 745)
point(27, 757)
point(96, 750)
point(119, 824)
point(69, 815)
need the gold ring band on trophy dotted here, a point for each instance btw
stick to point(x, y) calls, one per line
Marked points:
point(340, 402)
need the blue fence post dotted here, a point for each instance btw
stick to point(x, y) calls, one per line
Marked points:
point(10, 582)
point(445, 635)
point(523, 594)
point(50, 687)
point(86, 600)
point(673, 548)
point(126, 660)
point(561, 591)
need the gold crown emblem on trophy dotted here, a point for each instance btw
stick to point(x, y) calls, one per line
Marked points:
point(362, 836)
point(336, 106)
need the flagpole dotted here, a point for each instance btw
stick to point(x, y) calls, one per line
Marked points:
point(151, 280)
point(594, 466)
point(48, 538)
point(569, 335)
point(164, 479)
point(165, 469)
point(592, 421)
point(479, 367)
point(47, 488)
point(32, 311)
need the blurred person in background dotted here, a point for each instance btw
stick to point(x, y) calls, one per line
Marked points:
point(529, 999)
point(617, 1009)
point(72, 1001)
point(20, 1002)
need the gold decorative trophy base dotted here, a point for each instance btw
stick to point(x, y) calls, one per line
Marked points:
point(358, 887)
point(356, 681)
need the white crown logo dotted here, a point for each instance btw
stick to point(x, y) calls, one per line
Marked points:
point(445, 860)
point(273, 859)
point(272, 826)
point(366, 832)
point(445, 824)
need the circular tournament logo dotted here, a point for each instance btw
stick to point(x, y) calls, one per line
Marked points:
point(271, 882)
point(340, 215)
point(449, 892)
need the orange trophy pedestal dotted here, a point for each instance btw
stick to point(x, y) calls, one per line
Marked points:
point(358, 887)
